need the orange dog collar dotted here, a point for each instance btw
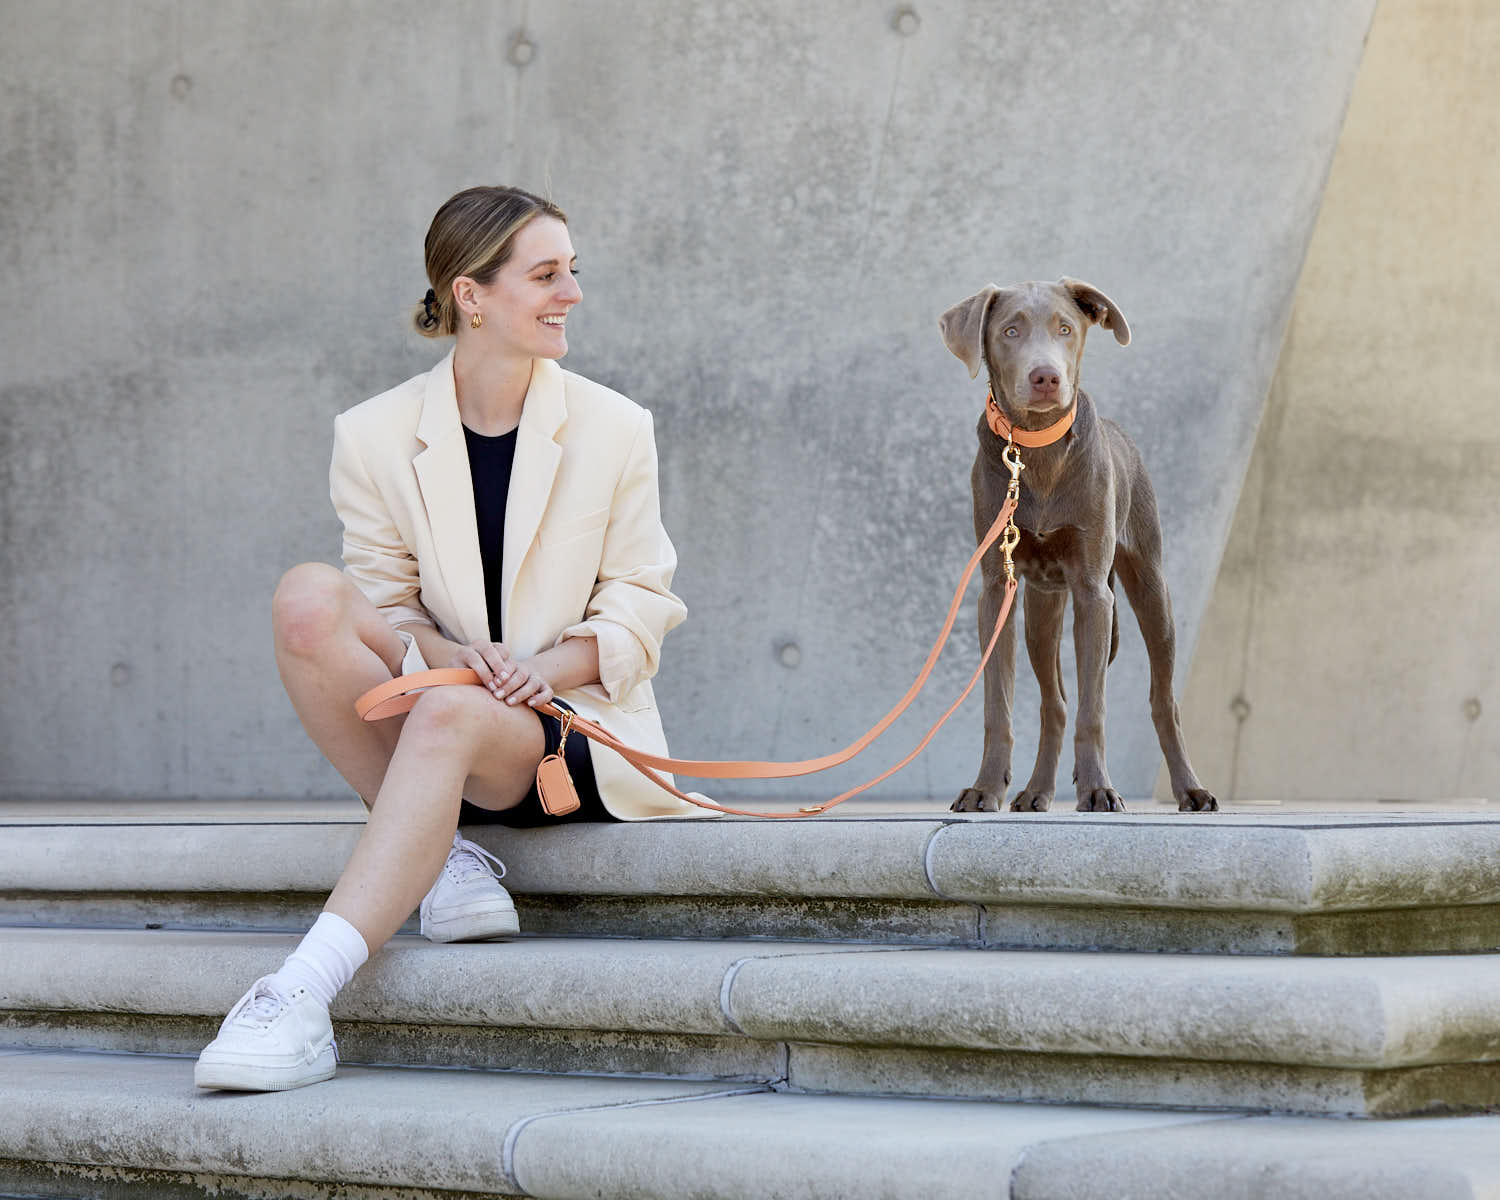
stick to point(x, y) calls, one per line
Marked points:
point(1034, 438)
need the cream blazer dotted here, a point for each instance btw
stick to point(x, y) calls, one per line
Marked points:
point(585, 552)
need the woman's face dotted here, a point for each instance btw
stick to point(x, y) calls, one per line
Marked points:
point(526, 307)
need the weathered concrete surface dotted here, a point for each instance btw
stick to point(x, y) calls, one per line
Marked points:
point(1223, 861)
point(1218, 884)
point(1289, 1158)
point(665, 986)
point(1014, 1076)
point(728, 1057)
point(429, 1129)
point(575, 1138)
point(801, 1148)
point(1354, 615)
point(70, 1181)
point(223, 206)
point(1378, 1013)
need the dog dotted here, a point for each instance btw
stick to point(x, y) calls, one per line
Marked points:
point(1087, 515)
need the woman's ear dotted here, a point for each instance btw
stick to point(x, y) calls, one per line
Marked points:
point(464, 294)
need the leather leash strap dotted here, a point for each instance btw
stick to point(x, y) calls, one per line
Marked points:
point(400, 694)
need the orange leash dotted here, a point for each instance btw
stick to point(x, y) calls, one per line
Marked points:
point(399, 695)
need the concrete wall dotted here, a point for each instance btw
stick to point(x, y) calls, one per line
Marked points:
point(1350, 649)
point(213, 217)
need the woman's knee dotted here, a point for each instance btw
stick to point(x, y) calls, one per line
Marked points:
point(308, 607)
point(465, 715)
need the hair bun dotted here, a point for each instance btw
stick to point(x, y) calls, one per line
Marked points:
point(429, 316)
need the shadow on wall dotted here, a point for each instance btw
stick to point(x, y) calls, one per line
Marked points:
point(1350, 650)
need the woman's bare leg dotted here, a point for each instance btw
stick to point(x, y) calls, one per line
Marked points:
point(332, 645)
point(457, 741)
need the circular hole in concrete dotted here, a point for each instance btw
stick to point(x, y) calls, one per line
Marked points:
point(522, 50)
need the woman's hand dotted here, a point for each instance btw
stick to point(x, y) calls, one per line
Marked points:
point(505, 678)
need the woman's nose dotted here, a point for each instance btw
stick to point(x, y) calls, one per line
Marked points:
point(572, 292)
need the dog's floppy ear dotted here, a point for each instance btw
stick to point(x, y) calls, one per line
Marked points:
point(963, 327)
point(1098, 307)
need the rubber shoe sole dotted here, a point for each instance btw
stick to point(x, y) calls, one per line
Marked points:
point(242, 1073)
point(475, 922)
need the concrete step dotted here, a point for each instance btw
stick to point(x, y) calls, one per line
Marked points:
point(116, 1125)
point(1353, 884)
point(104, 1125)
point(1367, 1037)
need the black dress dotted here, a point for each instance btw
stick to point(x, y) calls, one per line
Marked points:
point(490, 461)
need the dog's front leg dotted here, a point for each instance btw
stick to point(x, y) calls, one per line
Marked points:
point(988, 792)
point(1093, 615)
point(1044, 623)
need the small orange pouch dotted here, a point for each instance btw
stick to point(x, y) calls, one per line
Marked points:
point(553, 783)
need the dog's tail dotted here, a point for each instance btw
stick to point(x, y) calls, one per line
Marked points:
point(1114, 619)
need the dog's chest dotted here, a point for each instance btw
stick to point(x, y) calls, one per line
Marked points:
point(1040, 556)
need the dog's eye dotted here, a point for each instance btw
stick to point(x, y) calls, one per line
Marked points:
point(1065, 330)
point(1012, 332)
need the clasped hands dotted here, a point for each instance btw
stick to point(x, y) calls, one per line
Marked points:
point(508, 680)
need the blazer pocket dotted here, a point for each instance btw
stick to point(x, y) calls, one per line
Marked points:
point(557, 533)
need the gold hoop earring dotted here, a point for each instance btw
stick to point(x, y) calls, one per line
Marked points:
point(475, 321)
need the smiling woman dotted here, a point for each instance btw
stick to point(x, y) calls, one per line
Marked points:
point(499, 514)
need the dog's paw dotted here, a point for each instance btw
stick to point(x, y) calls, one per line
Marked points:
point(1197, 800)
point(974, 800)
point(1100, 800)
point(1030, 801)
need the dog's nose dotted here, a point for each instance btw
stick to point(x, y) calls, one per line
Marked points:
point(1045, 379)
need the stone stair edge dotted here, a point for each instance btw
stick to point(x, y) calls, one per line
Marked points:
point(1352, 1014)
point(549, 1137)
point(1323, 867)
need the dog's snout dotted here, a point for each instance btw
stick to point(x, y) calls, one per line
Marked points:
point(1045, 379)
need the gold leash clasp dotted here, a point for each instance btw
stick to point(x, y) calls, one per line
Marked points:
point(1011, 538)
point(567, 725)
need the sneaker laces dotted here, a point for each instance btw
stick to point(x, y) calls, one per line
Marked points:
point(467, 861)
point(260, 1005)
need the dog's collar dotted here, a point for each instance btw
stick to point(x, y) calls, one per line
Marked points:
point(1033, 438)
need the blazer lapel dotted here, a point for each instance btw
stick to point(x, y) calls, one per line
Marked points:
point(537, 456)
point(448, 494)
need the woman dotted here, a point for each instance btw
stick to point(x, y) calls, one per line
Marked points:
point(499, 514)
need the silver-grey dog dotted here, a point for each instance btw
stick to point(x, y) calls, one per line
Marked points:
point(1087, 514)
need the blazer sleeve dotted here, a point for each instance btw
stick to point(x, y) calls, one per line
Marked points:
point(632, 608)
point(375, 557)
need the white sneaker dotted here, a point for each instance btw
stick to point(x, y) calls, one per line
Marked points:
point(270, 1041)
point(467, 903)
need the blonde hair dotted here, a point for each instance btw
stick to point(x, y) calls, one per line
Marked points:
point(472, 234)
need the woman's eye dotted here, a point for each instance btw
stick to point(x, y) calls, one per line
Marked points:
point(1012, 332)
point(1065, 330)
point(546, 277)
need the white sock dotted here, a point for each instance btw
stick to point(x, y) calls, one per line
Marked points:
point(325, 959)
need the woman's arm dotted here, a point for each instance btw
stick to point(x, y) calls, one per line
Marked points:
point(375, 556)
point(533, 680)
point(572, 664)
point(632, 606)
